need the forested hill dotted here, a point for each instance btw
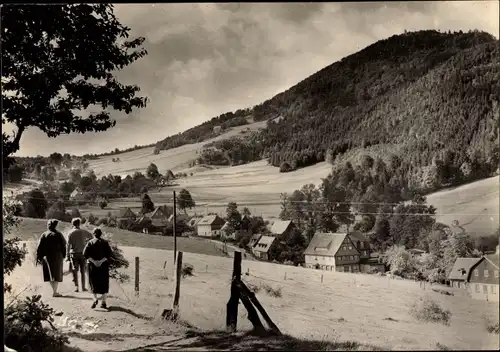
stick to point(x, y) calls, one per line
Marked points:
point(431, 96)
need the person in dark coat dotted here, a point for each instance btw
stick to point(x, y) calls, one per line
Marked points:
point(51, 252)
point(98, 253)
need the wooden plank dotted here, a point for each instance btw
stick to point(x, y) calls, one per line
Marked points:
point(253, 316)
point(178, 274)
point(136, 275)
point(232, 304)
point(246, 291)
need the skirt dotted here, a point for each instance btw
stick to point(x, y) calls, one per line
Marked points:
point(53, 272)
point(99, 278)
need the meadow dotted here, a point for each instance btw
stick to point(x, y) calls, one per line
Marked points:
point(370, 311)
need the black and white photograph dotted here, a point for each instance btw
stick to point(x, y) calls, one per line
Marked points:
point(301, 176)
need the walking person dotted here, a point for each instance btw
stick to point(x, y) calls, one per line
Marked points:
point(51, 252)
point(98, 253)
point(77, 239)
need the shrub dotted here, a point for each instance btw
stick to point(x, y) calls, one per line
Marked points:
point(492, 328)
point(273, 292)
point(187, 270)
point(25, 330)
point(117, 260)
point(429, 310)
point(103, 204)
point(285, 167)
point(92, 219)
point(254, 288)
point(102, 221)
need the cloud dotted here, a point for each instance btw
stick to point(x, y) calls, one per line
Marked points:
point(207, 59)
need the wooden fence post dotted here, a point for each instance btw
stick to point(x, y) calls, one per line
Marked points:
point(232, 304)
point(173, 228)
point(285, 276)
point(321, 278)
point(165, 265)
point(178, 274)
point(136, 275)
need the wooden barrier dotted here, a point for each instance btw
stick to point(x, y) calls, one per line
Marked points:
point(136, 275)
point(232, 304)
point(240, 291)
point(178, 274)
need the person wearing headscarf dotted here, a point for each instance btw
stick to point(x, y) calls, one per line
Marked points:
point(98, 253)
point(51, 252)
point(77, 239)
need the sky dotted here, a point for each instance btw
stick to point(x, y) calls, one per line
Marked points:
point(208, 59)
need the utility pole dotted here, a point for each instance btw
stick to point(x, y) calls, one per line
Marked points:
point(173, 228)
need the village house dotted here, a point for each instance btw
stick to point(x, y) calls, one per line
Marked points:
point(263, 246)
point(226, 232)
point(368, 261)
point(254, 240)
point(158, 217)
point(282, 227)
point(217, 129)
point(460, 272)
point(179, 218)
point(210, 226)
point(125, 217)
point(77, 195)
point(193, 221)
point(484, 279)
point(334, 252)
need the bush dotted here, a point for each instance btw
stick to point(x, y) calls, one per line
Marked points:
point(492, 328)
point(428, 310)
point(103, 204)
point(102, 221)
point(273, 292)
point(25, 330)
point(187, 270)
point(92, 219)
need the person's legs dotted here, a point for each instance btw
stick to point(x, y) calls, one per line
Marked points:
point(103, 297)
point(83, 268)
point(54, 285)
point(75, 262)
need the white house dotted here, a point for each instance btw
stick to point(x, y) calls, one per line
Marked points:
point(209, 226)
point(332, 251)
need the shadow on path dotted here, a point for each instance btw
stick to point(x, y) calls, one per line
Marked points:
point(128, 311)
point(213, 341)
point(76, 297)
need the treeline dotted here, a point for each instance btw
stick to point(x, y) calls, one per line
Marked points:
point(369, 198)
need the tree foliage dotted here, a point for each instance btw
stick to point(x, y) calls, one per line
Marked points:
point(184, 200)
point(58, 61)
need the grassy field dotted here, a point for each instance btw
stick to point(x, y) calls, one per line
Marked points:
point(31, 229)
point(370, 310)
point(258, 186)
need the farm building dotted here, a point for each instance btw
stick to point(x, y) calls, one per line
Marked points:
point(158, 217)
point(261, 249)
point(217, 129)
point(254, 239)
point(332, 251)
point(184, 218)
point(280, 227)
point(483, 278)
point(126, 213)
point(193, 221)
point(368, 261)
point(226, 231)
point(460, 271)
point(77, 194)
point(210, 226)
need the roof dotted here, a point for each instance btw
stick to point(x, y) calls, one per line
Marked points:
point(225, 226)
point(254, 239)
point(280, 226)
point(158, 212)
point(326, 244)
point(267, 241)
point(179, 217)
point(462, 268)
point(208, 220)
point(123, 212)
point(493, 259)
point(358, 236)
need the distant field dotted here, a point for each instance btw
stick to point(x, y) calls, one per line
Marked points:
point(31, 229)
point(367, 309)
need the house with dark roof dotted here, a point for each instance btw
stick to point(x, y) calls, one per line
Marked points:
point(126, 213)
point(210, 226)
point(263, 246)
point(282, 227)
point(460, 272)
point(332, 251)
point(158, 217)
point(184, 218)
point(254, 240)
point(483, 278)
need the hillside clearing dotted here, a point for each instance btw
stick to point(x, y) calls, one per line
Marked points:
point(371, 310)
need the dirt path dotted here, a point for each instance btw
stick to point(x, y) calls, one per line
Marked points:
point(123, 326)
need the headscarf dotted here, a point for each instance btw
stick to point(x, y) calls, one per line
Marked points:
point(97, 232)
point(52, 224)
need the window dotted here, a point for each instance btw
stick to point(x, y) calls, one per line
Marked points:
point(477, 288)
point(496, 274)
point(476, 272)
point(493, 289)
point(355, 257)
point(350, 247)
point(486, 273)
point(485, 288)
point(360, 245)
